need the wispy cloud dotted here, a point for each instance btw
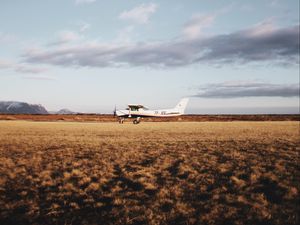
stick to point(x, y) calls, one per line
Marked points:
point(78, 2)
point(194, 27)
point(4, 37)
point(38, 77)
point(139, 14)
point(238, 89)
point(263, 43)
point(84, 27)
point(274, 3)
point(4, 64)
point(125, 34)
point(25, 68)
point(20, 67)
point(64, 37)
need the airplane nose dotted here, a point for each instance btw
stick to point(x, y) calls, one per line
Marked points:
point(119, 113)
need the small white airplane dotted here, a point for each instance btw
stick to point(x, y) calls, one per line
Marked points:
point(137, 111)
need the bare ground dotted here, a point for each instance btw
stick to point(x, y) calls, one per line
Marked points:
point(152, 173)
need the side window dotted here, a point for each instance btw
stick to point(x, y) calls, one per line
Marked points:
point(133, 109)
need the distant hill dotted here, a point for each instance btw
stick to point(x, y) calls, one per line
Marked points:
point(65, 112)
point(13, 107)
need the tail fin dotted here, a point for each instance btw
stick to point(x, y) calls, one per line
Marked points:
point(182, 105)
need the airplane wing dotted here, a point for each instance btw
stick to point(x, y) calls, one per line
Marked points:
point(137, 106)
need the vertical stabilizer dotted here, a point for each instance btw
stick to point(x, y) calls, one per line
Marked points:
point(180, 107)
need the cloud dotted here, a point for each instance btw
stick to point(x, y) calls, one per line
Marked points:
point(20, 67)
point(275, 4)
point(7, 38)
point(238, 89)
point(24, 68)
point(34, 77)
point(125, 34)
point(194, 27)
point(79, 2)
point(262, 43)
point(64, 37)
point(84, 27)
point(67, 36)
point(139, 14)
point(4, 64)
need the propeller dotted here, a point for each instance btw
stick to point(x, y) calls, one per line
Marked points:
point(115, 111)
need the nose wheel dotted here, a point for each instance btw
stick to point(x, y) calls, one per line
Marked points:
point(137, 120)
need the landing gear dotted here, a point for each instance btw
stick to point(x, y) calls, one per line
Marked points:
point(137, 120)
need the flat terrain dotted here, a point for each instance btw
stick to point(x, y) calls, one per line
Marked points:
point(184, 118)
point(151, 173)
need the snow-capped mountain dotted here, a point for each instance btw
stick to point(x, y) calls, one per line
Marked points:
point(13, 107)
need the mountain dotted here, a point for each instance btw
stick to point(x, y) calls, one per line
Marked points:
point(65, 111)
point(12, 107)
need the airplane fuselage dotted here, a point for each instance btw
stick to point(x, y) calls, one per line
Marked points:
point(148, 113)
point(137, 111)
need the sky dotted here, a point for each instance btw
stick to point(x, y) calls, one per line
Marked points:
point(237, 57)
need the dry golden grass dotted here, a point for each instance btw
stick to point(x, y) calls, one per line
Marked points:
point(151, 173)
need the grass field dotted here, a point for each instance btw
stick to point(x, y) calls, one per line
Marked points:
point(151, 173)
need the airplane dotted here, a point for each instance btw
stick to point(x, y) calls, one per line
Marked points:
point(137, 111)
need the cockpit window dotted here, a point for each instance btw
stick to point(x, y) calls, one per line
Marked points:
point(134, 108)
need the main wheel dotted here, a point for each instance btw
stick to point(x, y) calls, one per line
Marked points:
point(136, 121)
